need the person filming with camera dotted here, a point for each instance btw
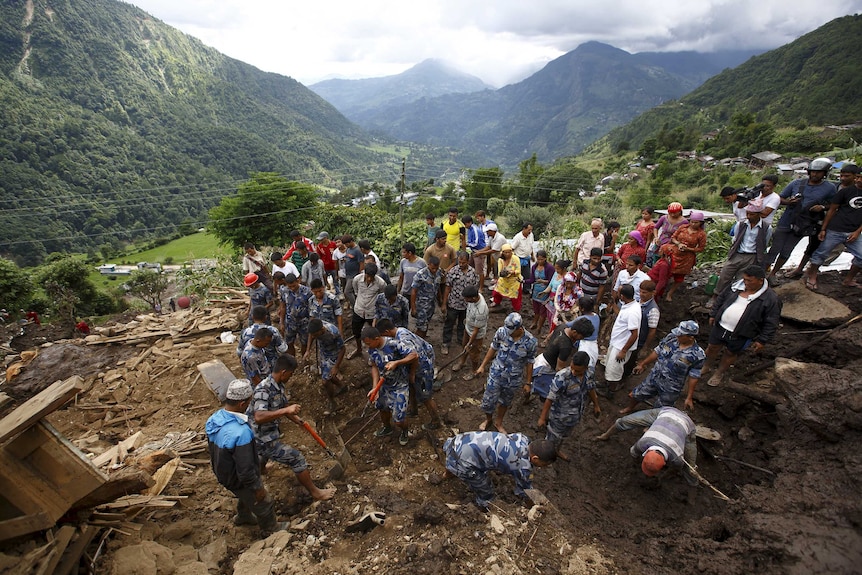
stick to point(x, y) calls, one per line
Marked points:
point(805, 202)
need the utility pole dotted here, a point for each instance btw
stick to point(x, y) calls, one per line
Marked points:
point(401, 203)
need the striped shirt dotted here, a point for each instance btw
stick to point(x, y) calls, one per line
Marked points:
point(669, 431)
point(592, 279)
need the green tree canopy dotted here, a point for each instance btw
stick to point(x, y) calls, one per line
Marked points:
point(263, 211)
point(149, 285)
point(15, 286)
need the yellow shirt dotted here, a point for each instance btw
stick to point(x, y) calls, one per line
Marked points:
point(453, 233)
point(510, 285)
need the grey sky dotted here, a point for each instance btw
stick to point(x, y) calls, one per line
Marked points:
point(500, 42)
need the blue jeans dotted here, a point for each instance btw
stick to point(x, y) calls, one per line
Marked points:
point(831, 240)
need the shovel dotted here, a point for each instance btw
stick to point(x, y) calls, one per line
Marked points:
point(341, 461)
point(448, 378)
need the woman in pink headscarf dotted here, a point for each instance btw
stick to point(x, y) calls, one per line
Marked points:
point(635, 246)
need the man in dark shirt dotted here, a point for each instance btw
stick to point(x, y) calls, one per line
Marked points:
point(842, 225)
point(354, 262)
point(558, 352)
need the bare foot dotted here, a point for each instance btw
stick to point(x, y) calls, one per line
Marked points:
point(563, 456)
point(500, 428)
point(484, 425)
point(852, 284)
point(625, 411)
point(668, 299)
point(324, 494)
point(602, 437)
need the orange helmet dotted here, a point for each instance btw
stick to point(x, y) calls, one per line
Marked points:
point(653, 463)
point(674, 207)
point(250, 279)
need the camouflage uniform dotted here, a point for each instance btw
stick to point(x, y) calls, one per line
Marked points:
point(255, 362)
point(276, 346)
point(427, 286)
point(671, 369)
point(470, 456)
point(327, 310)
point(424, 381)
point(393, 394)
point(398, 312)
point(568, 395)
point(271, 396)
point(296, 313)
point(259, 295)
point(329, 349)
point(506, 373)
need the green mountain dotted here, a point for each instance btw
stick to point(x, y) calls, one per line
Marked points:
point(557, 111)
point(430, 78)
point(814, 80)
point(114, 125)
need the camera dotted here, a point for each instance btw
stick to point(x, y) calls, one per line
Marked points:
point(745, 195)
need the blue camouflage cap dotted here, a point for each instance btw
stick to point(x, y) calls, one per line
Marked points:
point(687, 327)
point(513, 321)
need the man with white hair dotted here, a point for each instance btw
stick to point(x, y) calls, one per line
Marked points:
point(589, 240)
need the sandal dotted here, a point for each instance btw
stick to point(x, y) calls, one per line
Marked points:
point(811, 284)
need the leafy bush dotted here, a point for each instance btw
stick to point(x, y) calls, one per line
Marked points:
point(363, 222)
point(389, 249)
point(718, 242)
point(226, 272)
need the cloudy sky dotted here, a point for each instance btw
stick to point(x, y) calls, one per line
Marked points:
point(500, 41)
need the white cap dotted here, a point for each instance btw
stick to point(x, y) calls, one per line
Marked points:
point(239, 390)
point(491, 227)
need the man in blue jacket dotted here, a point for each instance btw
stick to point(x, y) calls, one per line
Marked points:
point(235, 460)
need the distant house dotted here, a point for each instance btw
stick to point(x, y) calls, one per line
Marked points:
point(710, 135)
point(764, 159)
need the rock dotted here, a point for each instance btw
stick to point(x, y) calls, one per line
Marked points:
point(178, 529)
point(745, 434)
point(147, 558)
point(194, 568)
point(213, 553)
point(497, 525)
point(431, 512)
point(806, 306)
point(185, 554)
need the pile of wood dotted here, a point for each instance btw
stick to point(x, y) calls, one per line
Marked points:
point(180, 326)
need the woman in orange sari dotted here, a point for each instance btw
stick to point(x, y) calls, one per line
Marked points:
point(690, 240)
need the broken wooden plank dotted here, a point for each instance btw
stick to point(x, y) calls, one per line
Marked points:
point(72, 556)
point(137, 361)
point(129, 338)
point(38, 406)
point(128, 481)
point(127, 444)
point(163, 476)
point(5, 399)
point(217, 377)
point(136, 415)
point(62, 539)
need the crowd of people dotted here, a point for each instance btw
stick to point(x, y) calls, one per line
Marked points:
point(607, 297)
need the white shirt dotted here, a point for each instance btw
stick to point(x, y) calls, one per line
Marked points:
point(773, 201)
point(287, 268)
point(339, 255)
point(522, 246)
point(749, 239)
point(477, 316)
point(498, 242)
point(587, 242)
point(629, 319)
point(624, 278)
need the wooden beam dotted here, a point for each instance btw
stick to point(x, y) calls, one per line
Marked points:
point(73, 553)
point(127, 444)
point(38, 406)
point(62, 539)
point(25, 524)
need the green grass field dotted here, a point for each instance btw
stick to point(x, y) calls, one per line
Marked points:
point(184, 249)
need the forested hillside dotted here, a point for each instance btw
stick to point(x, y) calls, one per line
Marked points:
point(814, 80)
point(113, 124)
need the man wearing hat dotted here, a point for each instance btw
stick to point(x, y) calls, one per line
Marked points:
point(678, 359)
point(749, 247)
point(325, 249)
point(493, 246)
point(295, 312)
point(513, 351)
point(235, 460)
point(258, 294)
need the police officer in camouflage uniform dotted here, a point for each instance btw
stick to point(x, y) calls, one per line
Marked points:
point(296, 312)
point(566, 398)
point(277, 346)
point(425, 294)
point(470, 456)
point(254, 360)
point(393, 306)
point(390, 359)
point(324, 306)
point(330, 347)
point(678, 359)
point(513, 350)
point(269, 404)
point(421, 372)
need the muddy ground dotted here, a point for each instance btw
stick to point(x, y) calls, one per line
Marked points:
point(797, 510)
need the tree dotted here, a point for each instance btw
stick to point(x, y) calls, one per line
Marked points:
point(15, 286)
point(480, 185)
point(264, 211)
point(560, 183)
point(529, 171)
point(73, 273)
point(149, 285)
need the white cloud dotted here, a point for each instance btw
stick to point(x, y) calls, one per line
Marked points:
point(500, 41)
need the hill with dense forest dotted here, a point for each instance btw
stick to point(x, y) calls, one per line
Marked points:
point(814, 80)
point(113, 124)
point(566, 105)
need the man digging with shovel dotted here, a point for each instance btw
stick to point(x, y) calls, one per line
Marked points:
point(268, 405)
